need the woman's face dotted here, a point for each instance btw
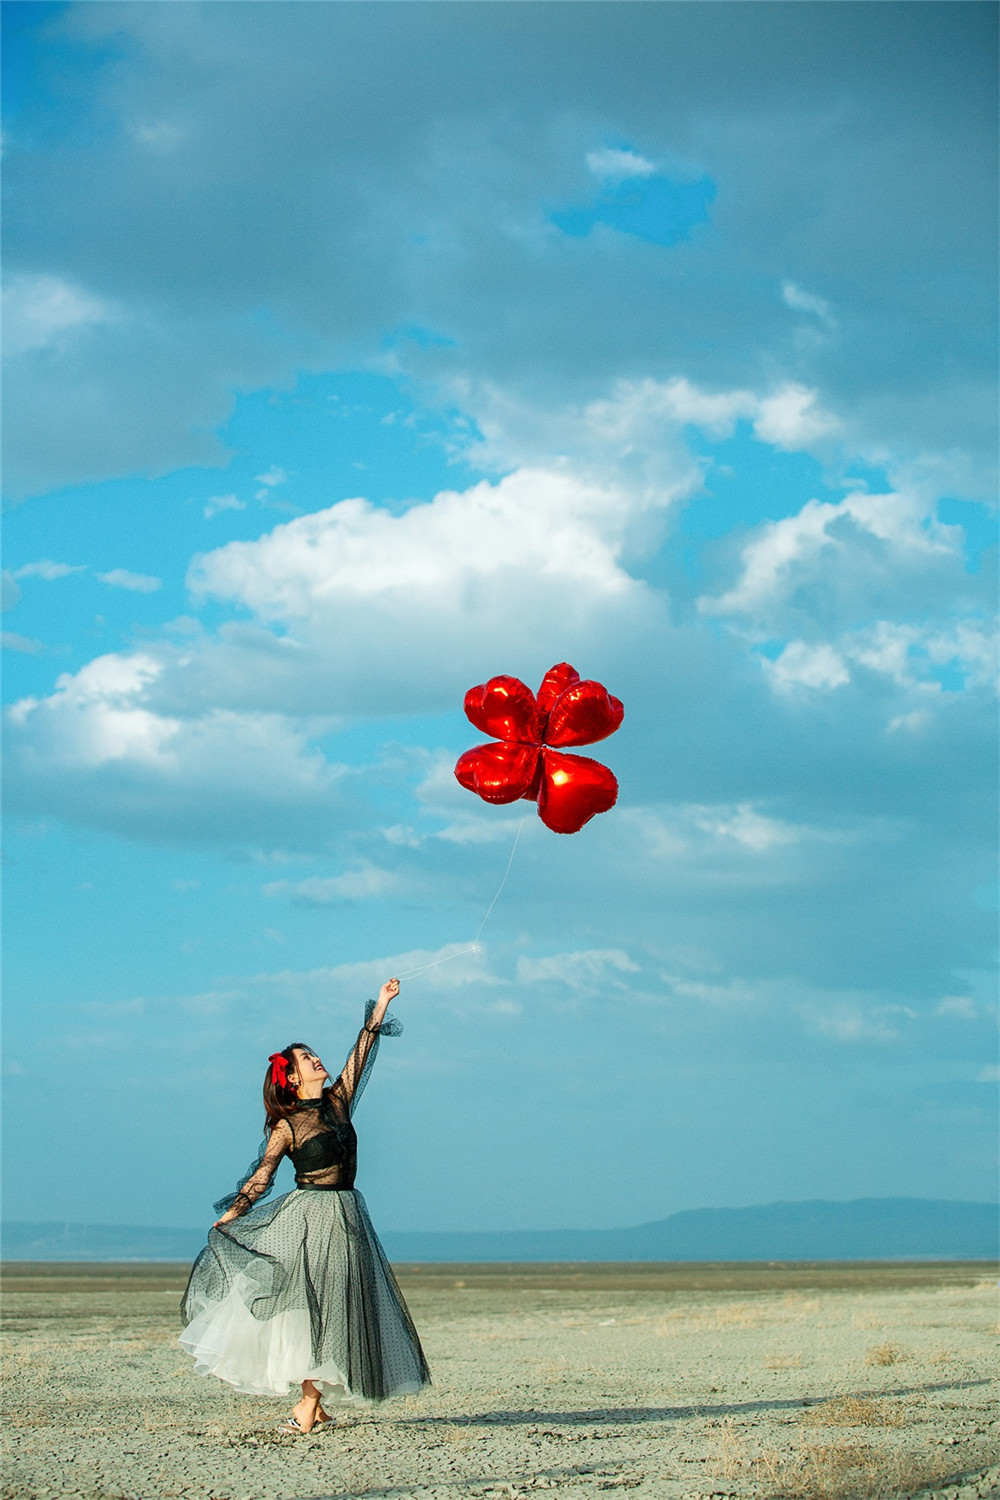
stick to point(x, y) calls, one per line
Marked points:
point(307, 1068)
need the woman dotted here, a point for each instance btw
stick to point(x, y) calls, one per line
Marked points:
point(300, 1291)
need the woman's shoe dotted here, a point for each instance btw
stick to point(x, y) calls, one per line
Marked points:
point(290, 1425)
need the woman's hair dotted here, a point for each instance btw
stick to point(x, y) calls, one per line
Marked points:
point(280, 1101)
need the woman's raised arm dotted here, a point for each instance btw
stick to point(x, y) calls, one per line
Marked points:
point(362, 1054)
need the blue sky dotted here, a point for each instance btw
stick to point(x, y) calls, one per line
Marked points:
point(350, 364)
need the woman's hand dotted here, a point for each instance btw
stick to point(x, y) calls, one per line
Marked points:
point(388, 992)
point(227, 1218)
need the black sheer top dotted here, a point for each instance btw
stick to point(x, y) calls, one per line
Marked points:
point(318, 1136)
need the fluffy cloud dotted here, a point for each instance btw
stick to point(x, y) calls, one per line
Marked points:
point(40, 311)
point(592, 970)
point(216, 504)
point(612, 164)
point(356, 610)
point(95, 751)
point(48, 570)
point(24, 644)
point(634, 435)
point(147, 292)
point(803, 301)
point(838, 583)
point(383, 613)
point(785, 555)
point(136, 583)
point(791, 419)
point(334, 890)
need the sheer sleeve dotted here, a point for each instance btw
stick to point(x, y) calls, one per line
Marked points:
point(361, 1058)
point(257, 1182)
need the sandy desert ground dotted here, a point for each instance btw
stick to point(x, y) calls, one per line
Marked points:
point(670, 1381)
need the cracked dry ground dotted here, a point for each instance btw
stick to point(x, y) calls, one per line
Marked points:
point(813, 1383)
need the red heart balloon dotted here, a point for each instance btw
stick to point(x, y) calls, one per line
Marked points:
point(498, 773)
point(573, 790)
point(556, 680)
point(505, 708)
point(584, 713)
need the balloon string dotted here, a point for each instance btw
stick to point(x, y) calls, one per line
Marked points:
point(472, 947)
point(489, 909)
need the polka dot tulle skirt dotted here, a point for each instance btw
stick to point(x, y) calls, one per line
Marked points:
point(300, 1289)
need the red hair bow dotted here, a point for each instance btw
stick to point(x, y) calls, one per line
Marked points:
point(279, 1069)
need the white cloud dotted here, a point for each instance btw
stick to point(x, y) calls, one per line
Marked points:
point(962, 1006)
point(801, 666)
point(335, 890)
point(791, 419)
point(910, 723)
point(846, 1022)
point(472, 197)
point(989, 1074)
point(590, 969)
point(160, 136)
point(615, 165)
point(744, 825)
point(48, 570)
point(272, 476)
point(776, 559)
point(450, 967)
point(802, 301)
point(24, 644)
point(137, 583)
point(629, 439)
point(911, 654)
point(633, 439)
point(270, 480)
point(844, 1016)
point(376, 612)
point(96, 751)
point(40, 309)
point(388, 611)
point(11, 594)
point(735, 842)
point(216, 503)
point(358, 610)
point(95, 715)
point(637, 407)
point(536, 525)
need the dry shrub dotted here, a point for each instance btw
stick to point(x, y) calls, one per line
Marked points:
point(783, 1361)
point(885, 1354)
point(29, 1419)
point(156, 1421)
point(449, 1433)
point(857, 1411)
point(842, 1471)
point(730, 1461)
point(551, 1370)
point(671, 1322)
point(739, 1315)
point(799, 1302)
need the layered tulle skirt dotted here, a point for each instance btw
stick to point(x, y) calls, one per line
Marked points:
point(300, 1289)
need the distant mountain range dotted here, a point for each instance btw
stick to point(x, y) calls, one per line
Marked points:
point(864, 1229)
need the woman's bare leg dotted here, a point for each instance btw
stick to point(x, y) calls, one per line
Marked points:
point(307, 1410)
